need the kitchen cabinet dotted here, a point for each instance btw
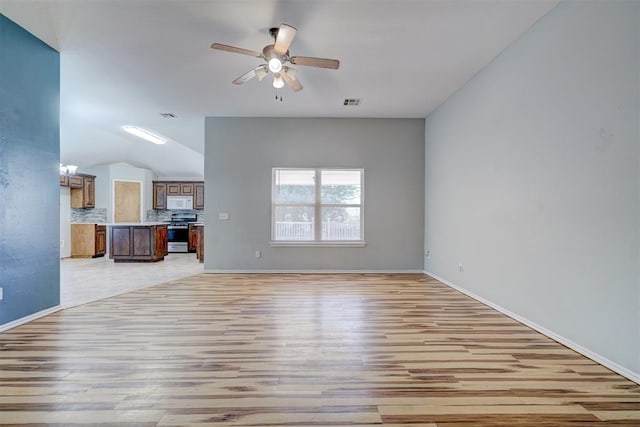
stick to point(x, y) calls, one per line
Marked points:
point(73, 181)
point(138, 242)
point(84, 195)
point(162, 240)
point(159, 195)
point(76, 181)
point(186, 189)
point(198, 196)
point(162, 189)
point(88, 240)
point(173, 189)
point(193, 238)
point(101, 240)
point(198, 230)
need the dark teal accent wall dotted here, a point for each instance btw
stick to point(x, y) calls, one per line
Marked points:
point(29, 187)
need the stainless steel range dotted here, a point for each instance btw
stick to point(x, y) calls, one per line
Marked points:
point(179, 231)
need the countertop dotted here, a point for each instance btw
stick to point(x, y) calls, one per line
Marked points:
point(137, 224)
point(125, 224)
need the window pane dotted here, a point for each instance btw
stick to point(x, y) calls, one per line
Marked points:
point(293, 223)
point(294, 186)
point(341, 187)
point(341, 224)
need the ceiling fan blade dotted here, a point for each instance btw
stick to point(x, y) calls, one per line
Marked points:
point(293, 83)
point(286, 33)
point(234, 49)
point(310, 61)
point(248, 75)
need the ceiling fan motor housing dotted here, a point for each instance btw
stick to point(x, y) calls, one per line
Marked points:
point(269, 52)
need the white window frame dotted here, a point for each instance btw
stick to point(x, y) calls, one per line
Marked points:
point(317, 207)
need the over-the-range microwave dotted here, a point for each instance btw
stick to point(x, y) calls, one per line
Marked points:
point(180, 202)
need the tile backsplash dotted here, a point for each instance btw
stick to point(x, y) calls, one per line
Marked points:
point(98, 215)
point(158, 215)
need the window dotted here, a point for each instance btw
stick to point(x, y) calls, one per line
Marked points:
point(317, 206)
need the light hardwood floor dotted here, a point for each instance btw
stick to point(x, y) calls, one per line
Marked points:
point(299, 350)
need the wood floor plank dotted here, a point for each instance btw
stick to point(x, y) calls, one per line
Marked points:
point(299, 350)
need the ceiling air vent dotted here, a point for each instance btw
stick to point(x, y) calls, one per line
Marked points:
point(168, 115)
point(352, 102)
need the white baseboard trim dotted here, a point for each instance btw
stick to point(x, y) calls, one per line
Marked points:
point(29, 318)
point(633, 376)
point(314, 271)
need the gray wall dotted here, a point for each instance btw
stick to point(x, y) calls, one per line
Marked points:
point(533, 183)
point(239, 155)
point(29, 173)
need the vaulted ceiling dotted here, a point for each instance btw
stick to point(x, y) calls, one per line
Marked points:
point(125, 62)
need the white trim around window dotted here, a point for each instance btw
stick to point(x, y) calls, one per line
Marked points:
point(300, 218)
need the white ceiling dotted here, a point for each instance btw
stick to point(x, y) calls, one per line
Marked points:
point(125, 61)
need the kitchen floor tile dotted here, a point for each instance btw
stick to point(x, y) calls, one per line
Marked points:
point(83, 280)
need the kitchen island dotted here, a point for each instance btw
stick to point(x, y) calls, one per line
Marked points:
point(138, 242)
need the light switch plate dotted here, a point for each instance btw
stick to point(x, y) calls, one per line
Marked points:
point(223, 216)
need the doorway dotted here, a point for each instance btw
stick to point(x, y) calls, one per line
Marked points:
point(127, 201)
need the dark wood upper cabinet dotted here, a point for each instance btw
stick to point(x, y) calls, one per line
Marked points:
point(76, 181)
point(162, 189)
point(89, 192)
point(186, 189)
point(73, 181)
point(198, 196)
point(159, 195)
point(83, 191)
point(173, 189)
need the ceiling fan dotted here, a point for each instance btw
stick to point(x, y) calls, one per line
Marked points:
point(277, 55)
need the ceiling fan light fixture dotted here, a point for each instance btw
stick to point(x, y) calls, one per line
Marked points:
point(275, 65)
point(278, 83)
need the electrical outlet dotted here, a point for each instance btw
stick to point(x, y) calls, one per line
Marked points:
point(223, 216)
point(427, 254)
point(460, 268)
point(62, 243)
point(258, 254)
point(1, 294)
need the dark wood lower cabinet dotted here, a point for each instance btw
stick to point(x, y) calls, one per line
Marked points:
point(193, 238)
point(198, 232)
point(138, 243)
point(162, 240)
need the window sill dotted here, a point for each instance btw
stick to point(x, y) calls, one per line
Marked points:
point(297, 244)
